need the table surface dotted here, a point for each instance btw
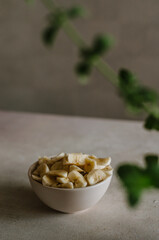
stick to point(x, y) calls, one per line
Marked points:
point(25, 137)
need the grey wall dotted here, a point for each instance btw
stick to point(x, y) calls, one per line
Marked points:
point(33, 78)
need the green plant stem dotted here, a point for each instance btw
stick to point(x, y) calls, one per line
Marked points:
point(107, 71)
point(77, 39)
point(73, 34)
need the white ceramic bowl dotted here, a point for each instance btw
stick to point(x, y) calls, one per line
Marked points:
point(69, 200)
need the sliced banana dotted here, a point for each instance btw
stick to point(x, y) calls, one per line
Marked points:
point(37, 178)
point(36, 172)
point(76, 159)
point(58, 173)
point(108, 170)
point(41, 170)
point(62, 180)
point(74, 167)
point(77, 179)
point(57, 165)
point(92, 156)
point(90, 164)
point(85, 176)
point(58, 157)
point(44, 160)
point(103, 162)
point(72, 170)
point(67, 185)
point(66, 168)
point(49, 181)
point(95, 176)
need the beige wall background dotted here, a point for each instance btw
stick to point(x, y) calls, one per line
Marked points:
point(35, 79)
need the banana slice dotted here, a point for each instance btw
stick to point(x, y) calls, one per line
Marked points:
point(108, 170)
point(36, 178)
point(44, 160)
point(90, 164)
point(58, 173)
point(57, 165)
point(77, 179)
point(62, 180)
point(74, 167)
point(95, 176)
point(66, 168)
point(76, 159)
point(103, 162)
point(92, 157)
point(51, 160)
point(58, 157)
point(36, 172)
point(49, 181)
point(67, 185)
point(41, 170)
point(85, 176)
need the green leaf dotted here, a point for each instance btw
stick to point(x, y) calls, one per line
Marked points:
point(133, 177)
point(155, 177)
point(55, 22)
point(102, 43)
point(152, 122)
point(49, 35)
point(60, 17)
point(136, 179)
point(151, 161)
point(88, 55)
point(127, 80)
point(138, 96)
point(146, 95)
point(135, 95)
point(133, 197)
point(76, 11)
point(83, 69)
point(152, 164)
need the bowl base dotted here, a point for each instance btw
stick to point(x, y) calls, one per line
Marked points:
point(75, 212)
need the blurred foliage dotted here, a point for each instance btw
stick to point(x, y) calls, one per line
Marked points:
point(136, 179)
point(57, 19)
point(135, 95)
point(55, 22)
point(83, 70)
point(89, 55)
point(29, 1)
point(138, 98)
point(76, 11)
point(152, 122)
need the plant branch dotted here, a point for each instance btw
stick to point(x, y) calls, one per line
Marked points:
point(77, 39)
point(142, 99)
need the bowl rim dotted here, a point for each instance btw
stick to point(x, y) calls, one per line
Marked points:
point(67, 189)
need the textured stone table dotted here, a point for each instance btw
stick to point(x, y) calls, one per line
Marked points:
point(23, 137)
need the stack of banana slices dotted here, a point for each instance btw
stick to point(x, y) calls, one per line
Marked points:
point(72, 170)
